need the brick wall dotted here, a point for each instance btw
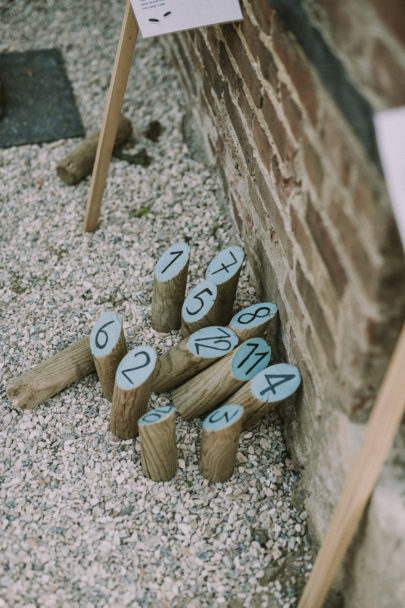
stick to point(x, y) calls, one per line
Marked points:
point(285, 101)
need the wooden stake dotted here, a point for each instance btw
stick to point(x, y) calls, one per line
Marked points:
point(213, 385)
point(192, 355)
point(157, 432)
point(80, 161)
point(219, 442)
point(108, 347)
point(116, 93)
point(253, 321)
point(268, 388)
point(200, 308)
point(169, 286)
point(131, 391)
point(381, 429)
point(224, 271)
point(52, 375)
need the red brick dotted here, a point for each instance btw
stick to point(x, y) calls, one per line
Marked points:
point(388, 75)
point(267, 65)
point(236, 213)
point(313, 164)
point(241, 134)
point(263, 13)
point(246, 70)
point(392, 13)
point(250, 34)
point(292, 112)
point(284, 185)
point(262, 144)
point(336, 149)
point(301, 236)
point(326, 249)
point(285, 147)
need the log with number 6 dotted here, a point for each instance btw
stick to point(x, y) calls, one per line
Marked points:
point(268, 388)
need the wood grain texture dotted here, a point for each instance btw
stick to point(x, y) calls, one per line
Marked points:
point(218, 451)
point(254, 408)
point(80, 161)
point(226, 293)
point(381, 429)
point(167, 300)
point(106, 367)
point(115, 98)
point(127, 407)
point(159, 448)
point(52, 375)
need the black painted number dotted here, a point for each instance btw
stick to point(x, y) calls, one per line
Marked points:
point(253, 315)
point(217, 416)
point(200, 342)
point(201, 301)
point(224, 267)
point(125, 372)
point(272, 387)
point(157, 414)
point(260, 356)
point(104, 335)
point(176, 255)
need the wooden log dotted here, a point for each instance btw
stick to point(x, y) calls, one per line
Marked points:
point(253, 321)
point(52, 375)
point(157, 433)
point(219, 442)
point(131, 391)
point(79, 162)
point(200, 308)
point(108, 347)
point(169, 287)
point(224, 270)
point(192, 355)
point(212, 386)
point(268, 388)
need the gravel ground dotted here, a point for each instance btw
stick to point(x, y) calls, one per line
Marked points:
point(81, 526)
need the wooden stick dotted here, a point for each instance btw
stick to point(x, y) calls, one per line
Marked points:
point(169, 286)
point(219, 442)
point(381, 429)
point(190, 356)
point(131, 391)
point(210, 387)
point(224, 271)
point(157, 432)
point(80, 161)
point(52, 375)
point(116, 93)
point(200, 308)
point(253, 321)
point(268, 388)
point(108, 347)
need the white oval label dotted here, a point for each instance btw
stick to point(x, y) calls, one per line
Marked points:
point(172, 261)
point(253, 315)
point(250, 358)
point(222, 417)
point(225, 264)
point(276, 382)
point(212, 342)
point(136, 367)
point(105, 334)
point(156, 415)
point(199, 301)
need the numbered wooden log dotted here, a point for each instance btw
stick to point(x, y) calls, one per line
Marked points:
point(52, 375)
point(268, 388)
point(224, 271)
point(169, 287)
point(219, 442)
point(253, 321)
point(157, 433)
point(190, 356)
point(212, 386)
point(131, 391)
point(200, 308)
point(108, 346)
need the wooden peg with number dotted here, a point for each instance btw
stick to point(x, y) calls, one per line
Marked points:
point(169, 286)
point(108, 347)
point(200, 308)
point(224, 270)
point(190, 356)
point(131, 391)
point(157, 433)
point(268, 388)
point(253, 321)
point(219, 442)
point(212, 386)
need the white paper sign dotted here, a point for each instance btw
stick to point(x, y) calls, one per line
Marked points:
point(157, 17)
point(390, 131)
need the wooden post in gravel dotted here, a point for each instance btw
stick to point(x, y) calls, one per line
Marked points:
point(108, 347)
point(157, 433)
point(52, 375)
point(268, 388)
point(190, 356)
point(79, 162)
point(131, 391)
point(219, 442)
point(210, 387)
point(224, 270)
point(169, 287)
point(253, 321)
point(200, 308)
